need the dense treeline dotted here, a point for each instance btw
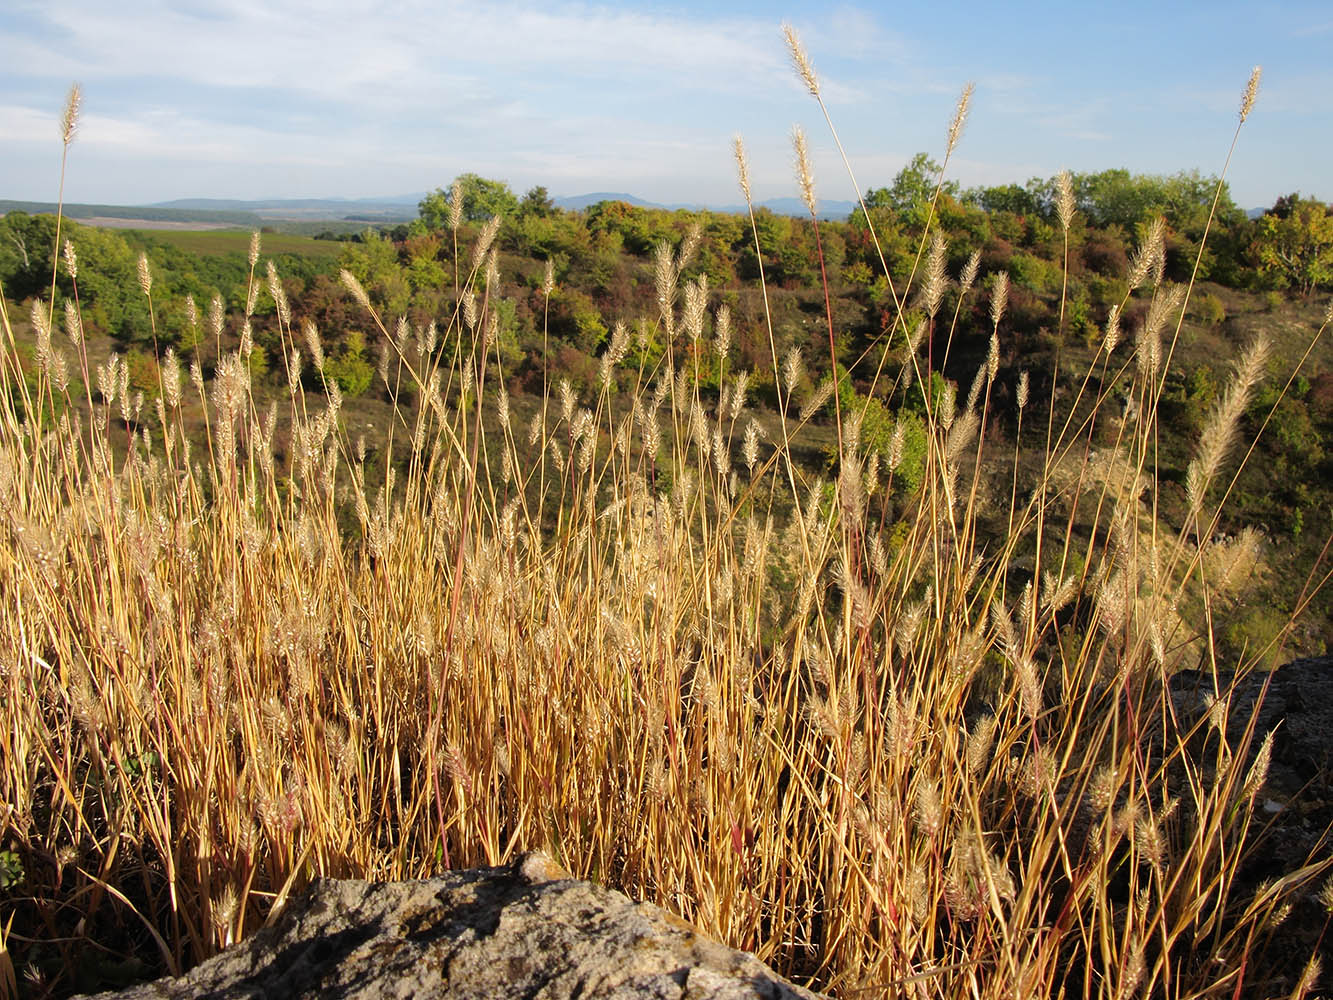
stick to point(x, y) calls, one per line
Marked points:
point(602, 259)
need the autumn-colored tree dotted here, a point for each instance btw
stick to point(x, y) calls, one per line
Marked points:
point(1295, 243)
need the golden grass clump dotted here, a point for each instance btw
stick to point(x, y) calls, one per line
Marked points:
point(831, 721)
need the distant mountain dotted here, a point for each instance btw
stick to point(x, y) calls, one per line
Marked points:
point(794, 206)
point(402, 208)
point(578, 202)
point(371, 211)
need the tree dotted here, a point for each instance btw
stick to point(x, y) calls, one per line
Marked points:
point(1295, 243)
point(26, 242)
point(1012, 198)
point(537, 202)
point(914, 187)
point(482, 199)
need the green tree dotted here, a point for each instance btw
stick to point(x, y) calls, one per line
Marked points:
point(914, 187)
point(1295, 243)
point(26, 242)
point(1012, 198)
point(482, 199)
point(537, 202)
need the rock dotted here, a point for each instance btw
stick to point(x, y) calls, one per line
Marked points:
point(1293, 813)
point(528, 930)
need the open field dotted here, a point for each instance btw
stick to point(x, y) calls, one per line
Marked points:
point(210, 242)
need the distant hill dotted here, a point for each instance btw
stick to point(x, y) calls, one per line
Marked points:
point(578, 202)
point(402, 208)
point(205, 213)
point(794, 206)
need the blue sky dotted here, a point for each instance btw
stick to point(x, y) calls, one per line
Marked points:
point(326, 98)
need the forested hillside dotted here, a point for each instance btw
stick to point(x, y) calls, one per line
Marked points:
point(562, 281)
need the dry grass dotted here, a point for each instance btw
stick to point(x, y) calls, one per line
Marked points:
point(856, 739)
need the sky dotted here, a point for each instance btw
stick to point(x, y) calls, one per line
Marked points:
point(352, 98)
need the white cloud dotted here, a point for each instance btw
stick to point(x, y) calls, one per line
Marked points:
point(360, 51)
point(28, 126)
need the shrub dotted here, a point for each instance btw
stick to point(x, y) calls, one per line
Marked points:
point(1208, 309)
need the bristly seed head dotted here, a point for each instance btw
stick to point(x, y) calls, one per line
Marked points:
point(1112, 329)
point(69, 119)
point(353, 284)
point(1064, 198)
point(969, 276)
point(999, 298)
point(959, 117)
point(455, 206)
point(1251, 91)
point(804, 176)
point(936, 276)
point(801, 61)
point(145, 275)
point(73, 322)
point(217, 316)
point(742, 166)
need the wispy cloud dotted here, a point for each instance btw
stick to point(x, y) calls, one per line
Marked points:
point(358, 51)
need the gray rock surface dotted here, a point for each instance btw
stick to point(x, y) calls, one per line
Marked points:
point(1292, 820)
point(524, 931)
point(1297, 706)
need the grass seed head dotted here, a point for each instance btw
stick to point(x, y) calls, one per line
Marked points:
point(353, 284)
point(804, 175)
point(722, 330)
point(800, 61)
point(999, 298)
point(968, 276)
point(145, 275)
point(959, 117)
point(937, 278)
point(279, 295)
point(69, 118)
point(1064, 199)
point(73, 323)
point(1258, 773)
point(742, 167)
point(1251, 92)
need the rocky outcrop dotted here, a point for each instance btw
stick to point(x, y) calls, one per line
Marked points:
point(1293, 811)
point(523, 931)
point(1297, 707)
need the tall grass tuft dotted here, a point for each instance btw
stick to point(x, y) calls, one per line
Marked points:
point(887, 738)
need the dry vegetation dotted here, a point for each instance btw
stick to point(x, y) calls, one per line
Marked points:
point(848, 733)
